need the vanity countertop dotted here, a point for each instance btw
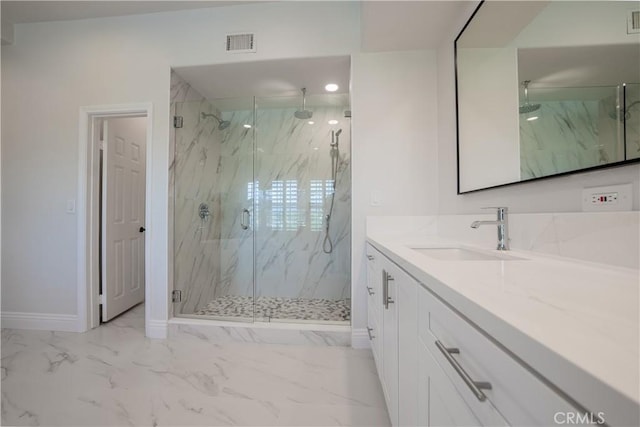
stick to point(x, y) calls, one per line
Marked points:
point(575, 323)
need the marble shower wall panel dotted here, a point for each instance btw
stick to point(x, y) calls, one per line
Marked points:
point(565, 138)
point(193, 173)
point(293, 172)
point(235, 175)
point(632, 123)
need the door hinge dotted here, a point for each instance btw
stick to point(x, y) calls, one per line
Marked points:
point(176, 296)
point(102, 299)
point(177, 122)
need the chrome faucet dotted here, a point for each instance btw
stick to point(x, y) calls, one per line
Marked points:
point(503, 227)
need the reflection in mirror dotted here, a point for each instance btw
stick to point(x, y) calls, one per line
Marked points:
point(545, 94)
point(631, 120)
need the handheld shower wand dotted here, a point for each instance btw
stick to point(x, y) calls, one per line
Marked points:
point(327, 244)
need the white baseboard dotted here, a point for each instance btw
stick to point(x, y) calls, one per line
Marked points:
point(156, 329)
point(360, 338)
point(40, 321)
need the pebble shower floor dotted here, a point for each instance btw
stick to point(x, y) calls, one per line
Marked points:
point(267, 308)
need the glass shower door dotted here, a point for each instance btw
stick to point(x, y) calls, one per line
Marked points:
point(212, 210)
point(303, 210)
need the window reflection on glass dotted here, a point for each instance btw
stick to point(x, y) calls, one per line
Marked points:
point(286, 204)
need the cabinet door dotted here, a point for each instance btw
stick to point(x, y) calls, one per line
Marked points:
point(439, 403)
point(374, 305)
point(390, 339)
point(407, 350)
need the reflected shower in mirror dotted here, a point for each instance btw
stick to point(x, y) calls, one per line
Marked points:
point(547, 94)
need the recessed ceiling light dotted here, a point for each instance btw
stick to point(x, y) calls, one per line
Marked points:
point(246, 125)
point(331, 87)
point(333, 122)
point(316, 148)
point(311, 122)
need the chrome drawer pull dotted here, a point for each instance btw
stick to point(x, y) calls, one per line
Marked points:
point(370, 290)
point(370, 257)
point(369, 330)
point(385, 288)
point(475, 386)
point(386, 299)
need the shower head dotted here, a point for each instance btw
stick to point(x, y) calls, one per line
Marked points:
point(303, 114)
point(527, 107)
point(222, 124)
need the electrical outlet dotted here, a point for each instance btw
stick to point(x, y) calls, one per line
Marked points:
point(607, 199)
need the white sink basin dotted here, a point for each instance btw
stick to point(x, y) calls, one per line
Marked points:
point(463, 254)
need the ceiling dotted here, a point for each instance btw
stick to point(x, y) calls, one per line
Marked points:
point(408, 25)
point(385, 26)
point(27, 11)
point(554, 71)
point(282, 77)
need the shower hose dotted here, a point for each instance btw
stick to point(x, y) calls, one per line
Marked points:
point(327, 244)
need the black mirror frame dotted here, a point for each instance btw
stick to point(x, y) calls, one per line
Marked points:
point(573, 172)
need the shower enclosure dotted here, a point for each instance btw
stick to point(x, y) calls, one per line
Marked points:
point(571, 128)
point(253, 189)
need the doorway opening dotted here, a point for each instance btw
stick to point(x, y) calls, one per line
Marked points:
point(113, 205)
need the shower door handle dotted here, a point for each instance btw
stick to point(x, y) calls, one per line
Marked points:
point(245, 214)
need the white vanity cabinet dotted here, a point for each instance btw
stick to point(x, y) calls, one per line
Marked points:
point(395, 343)
point(407, 293)
point(382, 284)
point(439, 369)
point(374, 304)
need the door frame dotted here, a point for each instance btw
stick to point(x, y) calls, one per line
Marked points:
point(88, 298)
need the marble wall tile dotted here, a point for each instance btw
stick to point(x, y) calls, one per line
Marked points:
point(611, 238)
point(292, 164)
point(196, 158)
point(279, 169)
point(569, 135)
point(242, 333)
point(632, 124)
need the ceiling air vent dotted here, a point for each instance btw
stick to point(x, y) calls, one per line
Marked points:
point(633, 22)
point(241, 43)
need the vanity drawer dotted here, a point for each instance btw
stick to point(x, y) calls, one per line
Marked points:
point(521, 397)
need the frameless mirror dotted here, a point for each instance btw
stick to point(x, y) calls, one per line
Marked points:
point(546, 88)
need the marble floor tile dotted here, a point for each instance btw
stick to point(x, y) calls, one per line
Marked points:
point(115, 376)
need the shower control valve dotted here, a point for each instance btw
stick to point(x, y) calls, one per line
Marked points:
point(203, 211)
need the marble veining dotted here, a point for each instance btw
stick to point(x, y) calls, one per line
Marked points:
point(114, 376)
point(279, 169)
point(569, 135)
point(609, 238)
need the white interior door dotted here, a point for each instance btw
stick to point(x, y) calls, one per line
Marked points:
point(123, 203)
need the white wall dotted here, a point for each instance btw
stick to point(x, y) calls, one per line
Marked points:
point(394, 146)
point(561, 194)
point(491, 97)
point(54, 68)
